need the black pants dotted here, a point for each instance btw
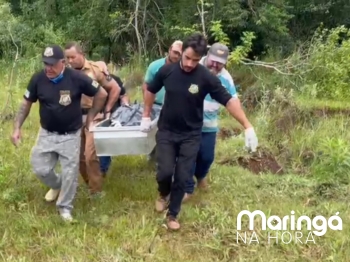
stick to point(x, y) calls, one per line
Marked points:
point(179, 151)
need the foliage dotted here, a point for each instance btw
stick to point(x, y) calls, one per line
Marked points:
point(333, 161)
point(113, 28)
point(123, 227)
point(327, 65)
point(281, 82)
point(242, 51)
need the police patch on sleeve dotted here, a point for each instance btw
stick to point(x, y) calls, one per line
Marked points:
point(94, 84)
point(27, 94)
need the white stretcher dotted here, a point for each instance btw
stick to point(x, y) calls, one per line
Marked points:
point(125, 140)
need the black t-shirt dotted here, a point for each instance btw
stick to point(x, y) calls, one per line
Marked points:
point(182, 109)
point(60, 109)
point(120, 83)
point(122, 92)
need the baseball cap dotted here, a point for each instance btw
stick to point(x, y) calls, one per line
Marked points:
point(218, 53)
point(177, 46)
point(52, 54)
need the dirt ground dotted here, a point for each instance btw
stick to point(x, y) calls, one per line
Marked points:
point(258, 163)
point(262, 163)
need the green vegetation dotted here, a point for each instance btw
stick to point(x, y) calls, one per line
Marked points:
point(291, 61)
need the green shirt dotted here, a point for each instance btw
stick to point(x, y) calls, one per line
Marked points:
point(150, 73)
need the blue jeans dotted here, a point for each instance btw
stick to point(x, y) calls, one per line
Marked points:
point(105, 162)
point(205, 159)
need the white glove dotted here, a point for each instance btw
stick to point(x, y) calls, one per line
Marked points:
point(145, 124)
point(251, 140)
point(116, 123)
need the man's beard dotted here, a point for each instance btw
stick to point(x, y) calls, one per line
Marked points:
point(170, 60)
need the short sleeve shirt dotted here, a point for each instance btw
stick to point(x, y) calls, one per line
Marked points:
point(150, 73)
point(182, 111)
point(59, 103)
point(211, 107)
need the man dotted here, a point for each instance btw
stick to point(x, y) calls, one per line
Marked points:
point(186, 83)
point(123, 97)
point(89, 162)
point(215, 61)
point(58, 90)
point(105, 161)
point(174, 56)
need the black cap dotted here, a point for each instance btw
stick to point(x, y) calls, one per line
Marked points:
point(52, 54)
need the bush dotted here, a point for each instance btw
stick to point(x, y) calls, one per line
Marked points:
point(325, 65)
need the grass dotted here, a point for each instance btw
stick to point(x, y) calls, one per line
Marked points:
point(124, 227)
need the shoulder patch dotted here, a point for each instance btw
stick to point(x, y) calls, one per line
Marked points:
point(94, 84)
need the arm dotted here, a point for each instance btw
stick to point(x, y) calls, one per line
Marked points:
point(153, 87)
point(97, 105)
point(144, 89)
point(123, 96)
point(90, 87)
point(125, 100)
point(148, 78)
point(29, 98)
point(230, 101)
point(22, 114)
point(112, 88)
point(233, 106)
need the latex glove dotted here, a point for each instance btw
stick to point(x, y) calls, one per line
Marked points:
point(251, 140)
point(145, 124)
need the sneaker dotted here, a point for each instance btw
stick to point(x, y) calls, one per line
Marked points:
point(172, 223)
point(52, 195)
point(162, 203)
point(66, 215)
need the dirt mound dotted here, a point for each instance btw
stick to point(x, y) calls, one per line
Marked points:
point(225, 133)
point(261, 163)
point(257, 163)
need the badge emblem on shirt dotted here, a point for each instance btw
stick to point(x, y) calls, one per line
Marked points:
point(193, 89)
point(94, 84)
point(65, 98)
